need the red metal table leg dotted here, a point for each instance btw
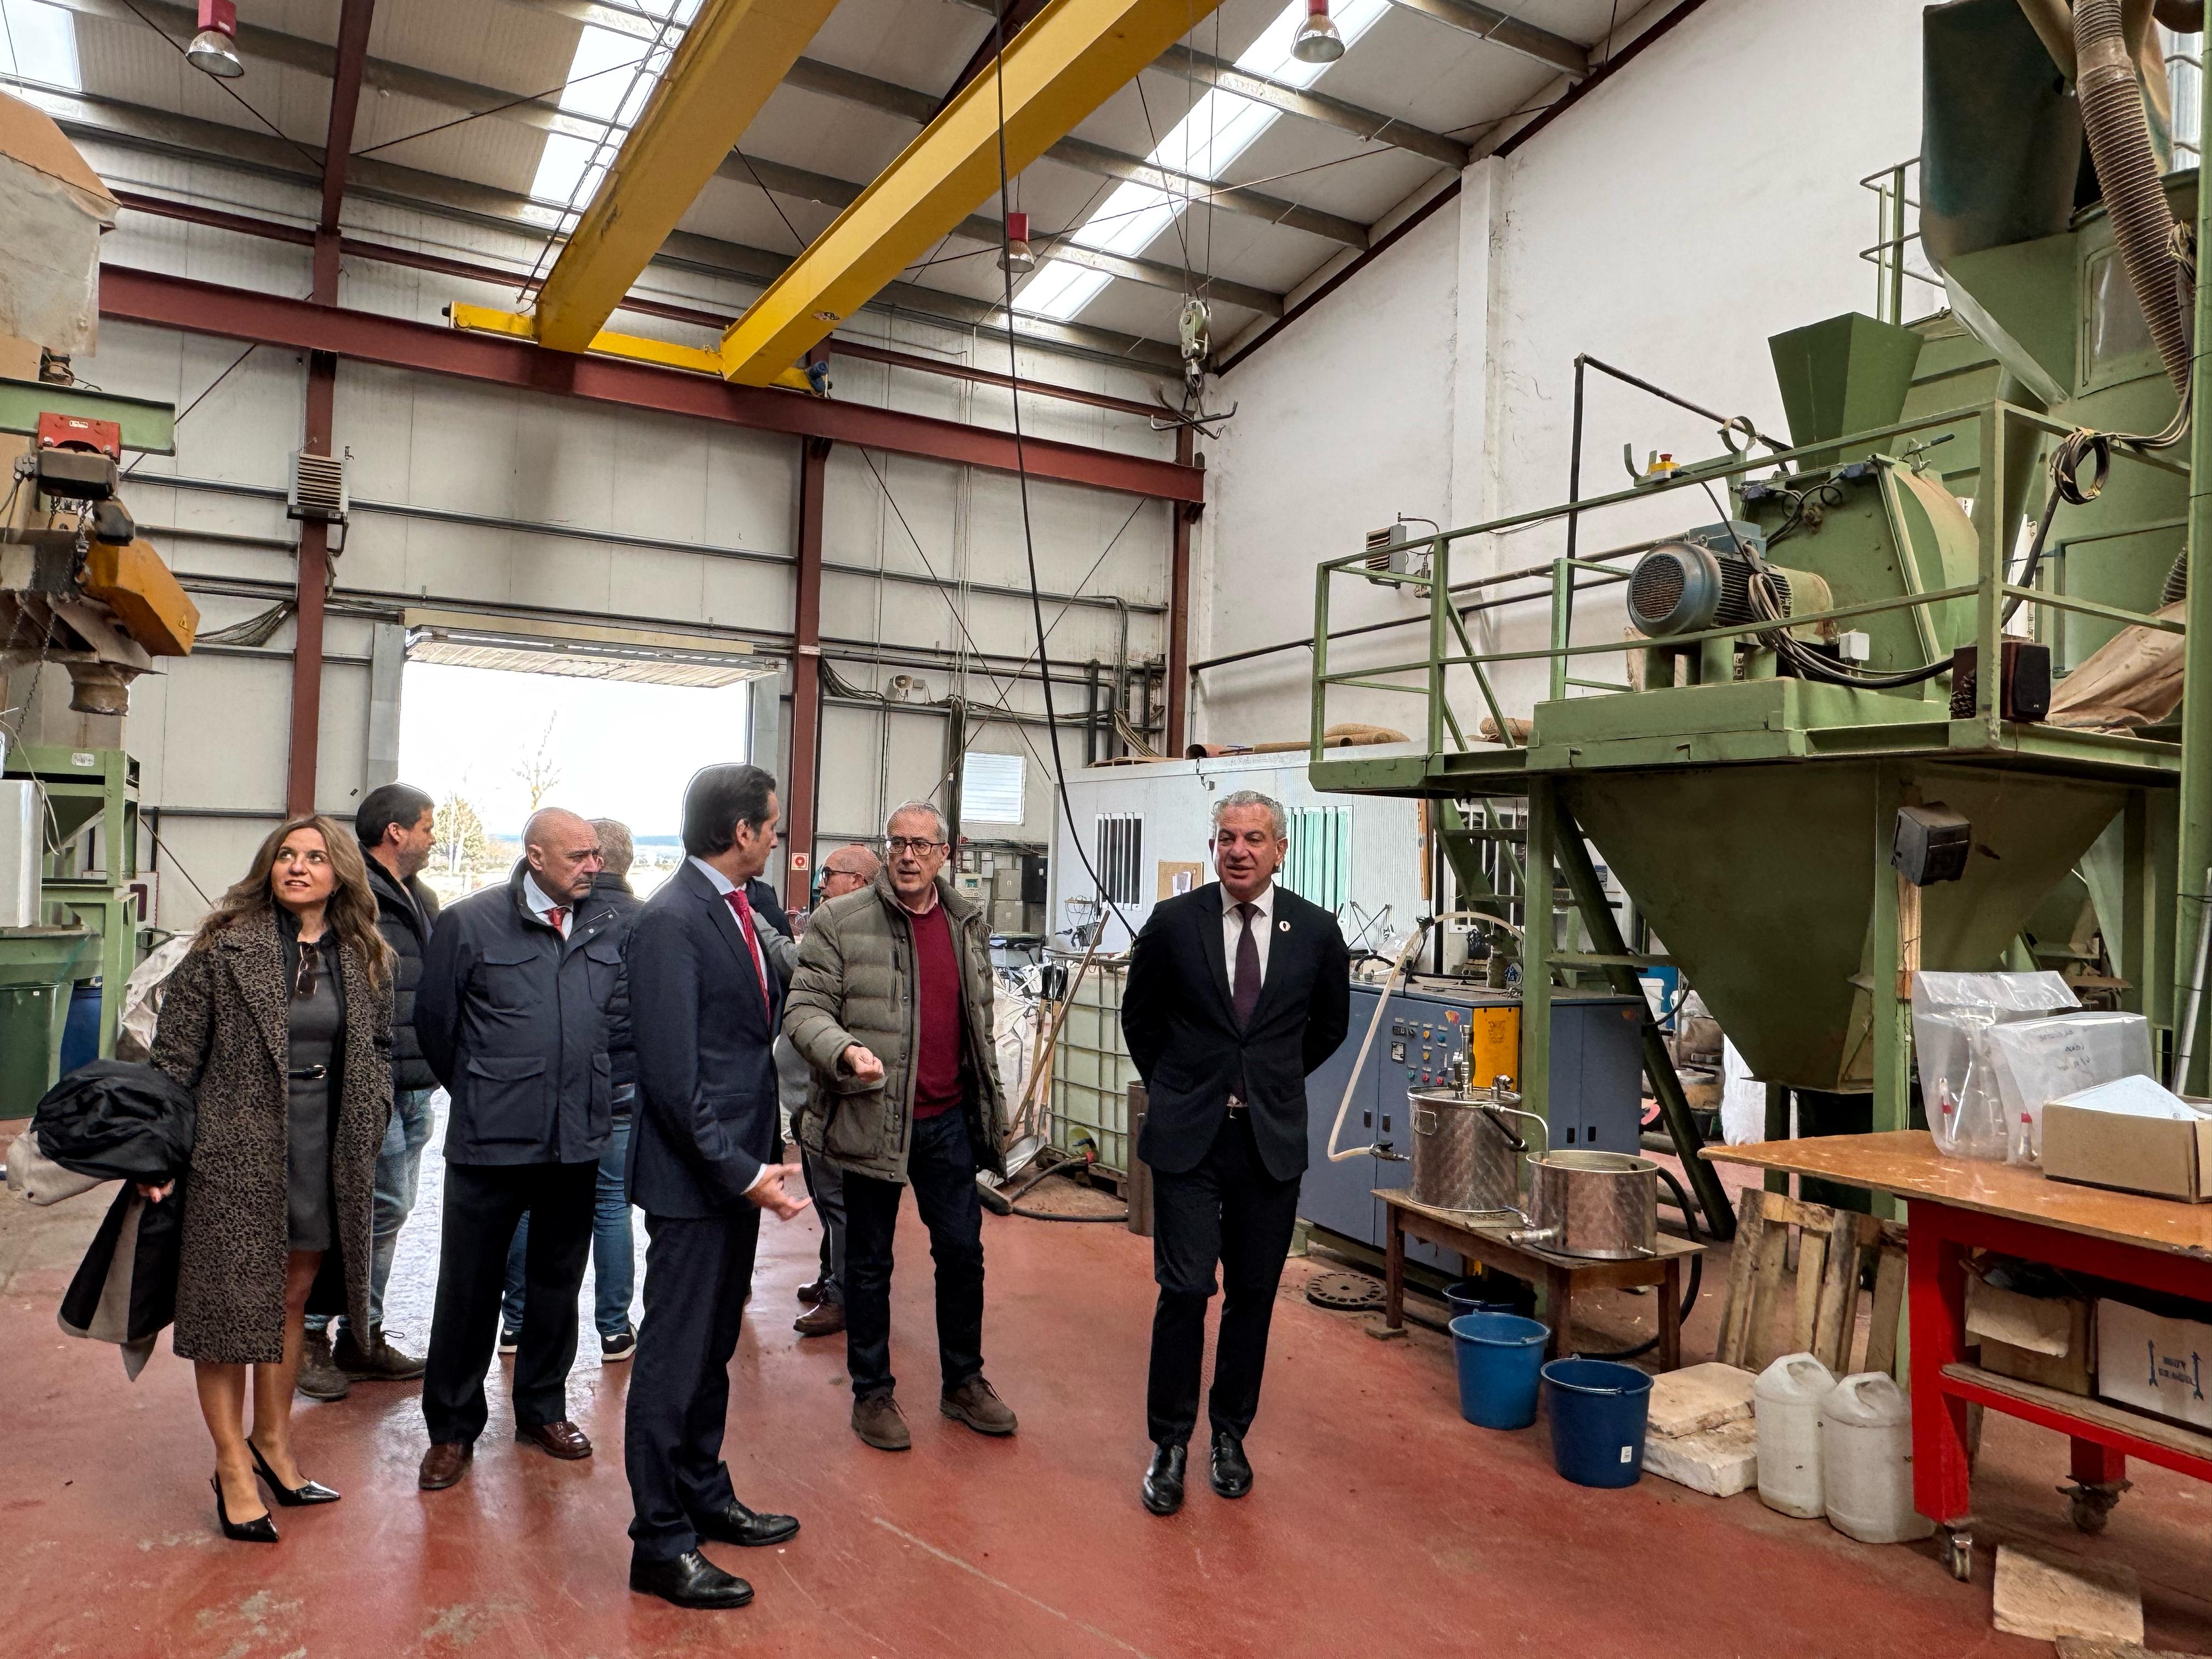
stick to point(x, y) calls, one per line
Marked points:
point(1937, 1280)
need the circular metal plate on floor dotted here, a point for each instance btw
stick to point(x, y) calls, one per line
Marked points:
point(1344, 1292)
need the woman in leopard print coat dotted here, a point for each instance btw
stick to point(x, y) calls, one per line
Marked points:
point(225, 1033)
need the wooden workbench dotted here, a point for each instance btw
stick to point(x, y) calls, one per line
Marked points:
point(1957, 1205)
point(1484, 1243)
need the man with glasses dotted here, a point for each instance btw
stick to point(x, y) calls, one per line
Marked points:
point(892, 1008)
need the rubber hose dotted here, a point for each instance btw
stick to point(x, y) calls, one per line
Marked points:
point(1690, 1292)
point(1053, 1215)
point(2110, 98)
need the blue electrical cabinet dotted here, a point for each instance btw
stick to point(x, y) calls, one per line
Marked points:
point(1596, 1093)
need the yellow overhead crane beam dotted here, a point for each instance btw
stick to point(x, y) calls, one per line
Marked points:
point(1056, 71)
point(732, 58)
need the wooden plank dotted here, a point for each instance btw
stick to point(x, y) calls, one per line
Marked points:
point(2092, 1413)
point(1889, 1275)
point(1839, 1290)
point(1812, 1256)
point(1905, 1161)
point(1736, 1311)
point(1766, 1292)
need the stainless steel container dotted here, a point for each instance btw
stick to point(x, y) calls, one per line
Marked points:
point(1466, 1155)
point(1603, 1205)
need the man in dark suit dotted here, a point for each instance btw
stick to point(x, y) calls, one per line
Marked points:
point(707, 1000)
point(520, 1004)
point(1236, 992)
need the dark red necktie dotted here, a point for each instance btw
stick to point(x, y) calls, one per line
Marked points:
point(744, 912)
point(1244, 997)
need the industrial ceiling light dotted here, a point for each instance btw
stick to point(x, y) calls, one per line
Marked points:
point(1317, 40)
point(1016, 258)
point(214, 48)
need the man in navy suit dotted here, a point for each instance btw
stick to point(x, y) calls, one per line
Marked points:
point(1236, 992)
point(702, 1167)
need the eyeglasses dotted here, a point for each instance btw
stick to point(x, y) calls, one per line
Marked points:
point(910, 844)
point(310, 958)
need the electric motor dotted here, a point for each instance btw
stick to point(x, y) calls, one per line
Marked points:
point(1680, 588)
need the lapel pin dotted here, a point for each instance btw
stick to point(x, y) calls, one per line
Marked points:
point(1282, 926)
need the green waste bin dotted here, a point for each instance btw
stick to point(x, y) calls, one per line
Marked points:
point(36, 965)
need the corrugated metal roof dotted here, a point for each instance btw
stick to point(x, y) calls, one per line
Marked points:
point(1407, 66)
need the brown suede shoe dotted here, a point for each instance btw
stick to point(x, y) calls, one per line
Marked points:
point(823, 1319)
point(319, 1378)
point(976, 1403)
point(564, 1439)
point(811, 1294)
point(877, 1420)
point(443, 1465)
point(375, 1361)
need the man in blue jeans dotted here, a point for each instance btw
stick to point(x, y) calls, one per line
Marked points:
point(393, 825)
point(614, 1253)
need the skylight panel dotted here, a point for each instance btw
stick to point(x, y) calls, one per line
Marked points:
point(1220, 127)
point(37, 42)
point(610, 80)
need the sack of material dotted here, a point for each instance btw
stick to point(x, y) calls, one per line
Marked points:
point(2130, 681)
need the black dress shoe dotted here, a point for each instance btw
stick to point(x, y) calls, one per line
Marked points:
point(739, 1525)
point(1231, 1475)
point(259, 1530)
point(690, 1581)
point(1164, 1480)
point(291, 1497)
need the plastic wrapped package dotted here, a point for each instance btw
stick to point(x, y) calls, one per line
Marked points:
point(1952, 1015)
point(55, 208)
point(2033, 1061)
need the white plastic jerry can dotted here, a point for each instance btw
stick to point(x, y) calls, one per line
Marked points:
point(1786, 1401)
point(1866, 1460)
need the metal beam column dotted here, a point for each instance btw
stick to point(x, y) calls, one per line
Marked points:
point(1181, 516)
point(306, 736)
point(800, 794)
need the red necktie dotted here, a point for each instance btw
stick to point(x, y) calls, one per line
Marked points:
point(555, 915)
point(744, 912)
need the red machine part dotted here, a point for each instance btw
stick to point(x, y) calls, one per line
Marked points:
point(58, 431)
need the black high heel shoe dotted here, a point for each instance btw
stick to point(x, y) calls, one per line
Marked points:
point(291, 1497)
point(259, 1530)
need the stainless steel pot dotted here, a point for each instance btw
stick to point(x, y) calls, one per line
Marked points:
point(1603, 1205)
point(1465, 1156)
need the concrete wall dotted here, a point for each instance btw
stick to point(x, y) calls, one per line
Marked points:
point(505, 502)
point(1706, 198)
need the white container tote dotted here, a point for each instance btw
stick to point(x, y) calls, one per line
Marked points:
point(1786, 1401)
point(1866, 1460)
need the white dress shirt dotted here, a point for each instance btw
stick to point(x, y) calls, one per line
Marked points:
point(725, 886)
point(1232, 931)
point(535, 897)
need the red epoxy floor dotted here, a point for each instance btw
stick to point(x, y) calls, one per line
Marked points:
point(1380, 1521)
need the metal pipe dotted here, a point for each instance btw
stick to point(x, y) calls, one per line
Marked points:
point(2179, 1082)
point(2194, 831)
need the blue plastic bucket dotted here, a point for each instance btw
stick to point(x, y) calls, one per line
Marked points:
point(1598, 1411)
point(80, 1031)
point(1499, 1355)
point(1470, 1296)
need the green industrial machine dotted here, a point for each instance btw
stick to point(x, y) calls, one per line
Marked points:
point(1794, 681)
point(89, 911)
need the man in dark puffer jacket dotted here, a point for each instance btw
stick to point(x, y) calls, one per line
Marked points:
point(394, 826)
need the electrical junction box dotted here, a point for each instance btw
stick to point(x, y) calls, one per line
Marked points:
point(1932, 844)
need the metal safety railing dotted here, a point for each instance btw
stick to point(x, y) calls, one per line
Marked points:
point(1450, 647)
point(1886, 255)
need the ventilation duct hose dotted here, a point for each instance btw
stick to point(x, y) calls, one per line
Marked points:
point(2110, 98)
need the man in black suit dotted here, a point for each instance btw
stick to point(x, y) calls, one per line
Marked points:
point(707, 1000)
point(1236, 992)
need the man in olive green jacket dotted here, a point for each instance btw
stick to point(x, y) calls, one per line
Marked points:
point(892, 1008)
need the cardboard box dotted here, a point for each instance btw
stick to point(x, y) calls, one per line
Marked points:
point(2042, 1339)
point(2155, 1364)
point(2163, 1157)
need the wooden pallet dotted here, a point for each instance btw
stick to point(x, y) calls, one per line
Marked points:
point(1833, 1248)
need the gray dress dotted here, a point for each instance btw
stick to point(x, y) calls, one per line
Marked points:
point(316, 1022)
